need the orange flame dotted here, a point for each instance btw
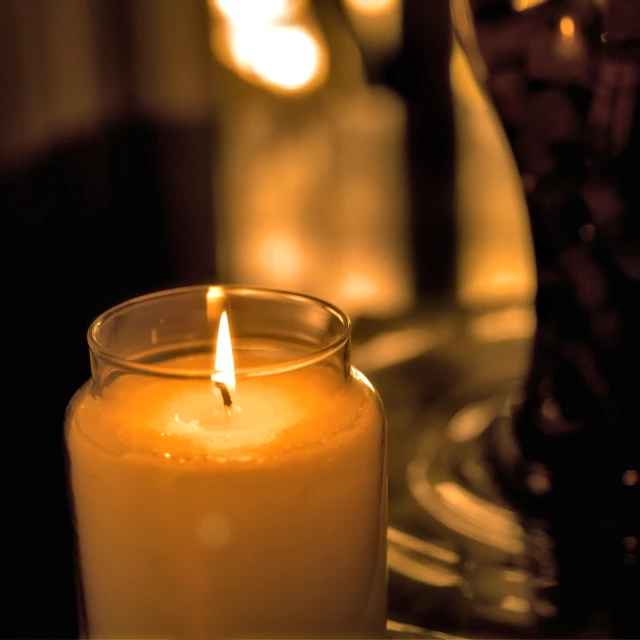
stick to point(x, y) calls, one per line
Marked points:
point(224, 365)
point(567, 28)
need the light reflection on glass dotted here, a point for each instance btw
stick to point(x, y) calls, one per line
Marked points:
point(517, 605)
point(394, 347)
point(465, 513)
point(432, 574)
point(469, 422)
point(513, 323)
point(510, 575)
point(422, 547)
point(496, 263)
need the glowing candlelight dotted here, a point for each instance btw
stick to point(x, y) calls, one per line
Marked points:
point(268, 520)
point(225, 370)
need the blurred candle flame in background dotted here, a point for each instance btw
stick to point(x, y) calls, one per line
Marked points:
point(310, 181)
point(567, 29)
point(273, 43)
point(285, 57)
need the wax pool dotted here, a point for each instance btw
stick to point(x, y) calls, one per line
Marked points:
point(193, 523)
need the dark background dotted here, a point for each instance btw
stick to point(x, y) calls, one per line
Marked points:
point(106, 140)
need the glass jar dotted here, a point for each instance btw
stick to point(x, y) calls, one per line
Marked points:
point(213, 501)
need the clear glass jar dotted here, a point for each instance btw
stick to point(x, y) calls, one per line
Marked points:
point(205, 508)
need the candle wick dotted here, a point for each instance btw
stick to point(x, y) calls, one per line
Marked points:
point(224, 392)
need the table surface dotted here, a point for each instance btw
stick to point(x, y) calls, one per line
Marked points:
point(458, 557)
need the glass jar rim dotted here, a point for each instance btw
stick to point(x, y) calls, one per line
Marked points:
point(131, 365)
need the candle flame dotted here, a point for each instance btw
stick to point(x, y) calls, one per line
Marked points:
point(224, 366)
point(285, 57)
point(567, 29)
point(273, 43)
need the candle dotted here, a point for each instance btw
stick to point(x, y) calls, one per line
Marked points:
point(197, 517)
point(560, 55)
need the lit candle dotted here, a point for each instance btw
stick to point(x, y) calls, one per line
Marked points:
point(560, 55)
point(221, 502)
